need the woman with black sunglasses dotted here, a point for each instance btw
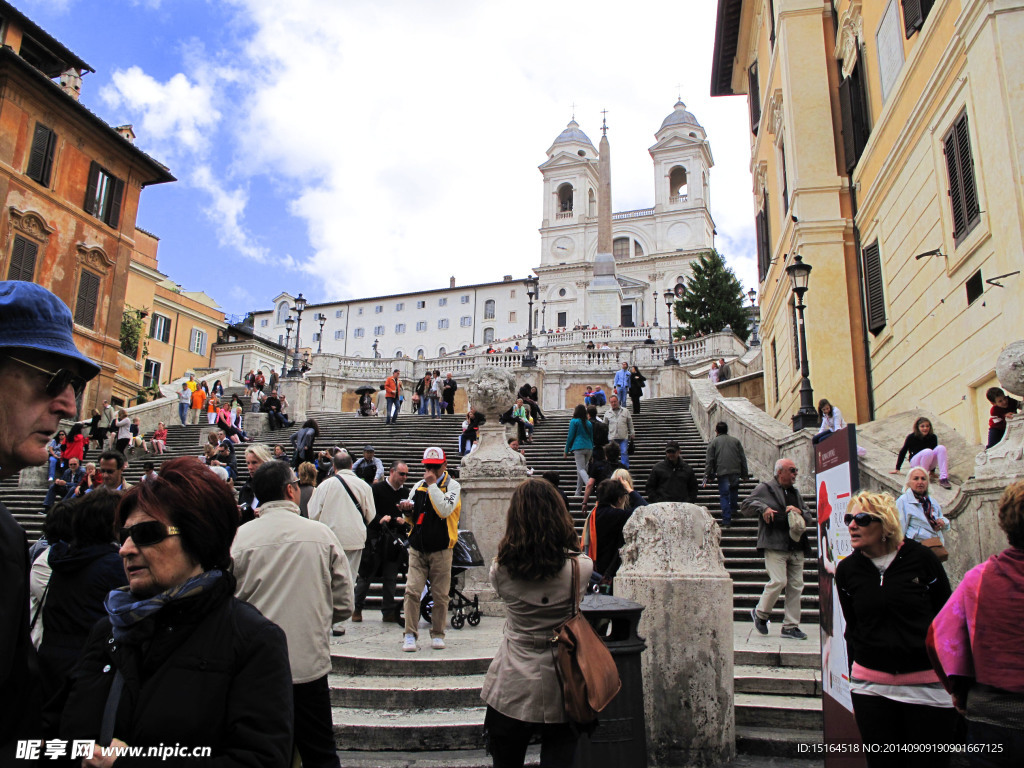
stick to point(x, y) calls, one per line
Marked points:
point(890, 589)
point(177, 659)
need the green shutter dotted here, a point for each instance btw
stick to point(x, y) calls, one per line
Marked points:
point(873, 288)
point(114, 205)
point(40, 156)
point(23, 260)
point(88, 298)
point(90, 188)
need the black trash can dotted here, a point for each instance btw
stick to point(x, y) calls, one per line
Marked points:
point(620, 740)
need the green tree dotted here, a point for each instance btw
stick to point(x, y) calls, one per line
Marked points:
point(713, 299)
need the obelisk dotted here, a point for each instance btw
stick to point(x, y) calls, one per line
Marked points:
point(604, 296)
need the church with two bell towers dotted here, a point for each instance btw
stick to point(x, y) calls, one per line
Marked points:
point(602, 268)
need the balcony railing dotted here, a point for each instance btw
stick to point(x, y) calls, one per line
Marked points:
point(638, 213)
point(676, 199)
point(564, 215)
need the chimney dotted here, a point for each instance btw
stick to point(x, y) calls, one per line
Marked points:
point(71, 83)
point(507, 278)
point(126, 132)
point(451, 282)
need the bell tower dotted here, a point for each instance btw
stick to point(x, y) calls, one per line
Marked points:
point(571, 185)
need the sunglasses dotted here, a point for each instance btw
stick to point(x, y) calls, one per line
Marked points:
point(59, 380)
point(861, 518)
point(148, 533)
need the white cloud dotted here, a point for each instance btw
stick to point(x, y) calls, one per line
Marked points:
point(226, 211)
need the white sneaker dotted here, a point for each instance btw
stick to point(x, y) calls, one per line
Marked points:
point(409, 644)
point(437, 643)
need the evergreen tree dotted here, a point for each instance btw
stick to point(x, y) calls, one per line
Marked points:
point(713, 299)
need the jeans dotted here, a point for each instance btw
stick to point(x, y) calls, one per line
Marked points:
point(392, 414)
point(56, 466)
point(622, 392)
point(434, 410)
point(624, 452)
point(785, 572)
point(1011, 740)
point(56, 493)
point(314, 731)
point(728, 496)
point(884, 721)
point(437, 566)
point(183, 412)
point(507, 739)
point(368, 568)
point(582, 456)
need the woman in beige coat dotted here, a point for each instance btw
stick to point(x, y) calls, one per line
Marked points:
point(532, 574)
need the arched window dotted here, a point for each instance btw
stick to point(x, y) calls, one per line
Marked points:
point(565, 198)
point(677, 187)
point(421, 353)
point(489, 309)
point(488, 335)
point(620, 248)
point(398, 353)
point(282, 313)
point(441, 352)
point(638, 250)
point(592, 204)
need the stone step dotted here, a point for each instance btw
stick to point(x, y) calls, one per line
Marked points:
point(462, 758)
point(796, 658)
point(768, 710)
point(773, 741)
point(784, 681)
point(399, 693)
point(424, 664)
point(421, 730)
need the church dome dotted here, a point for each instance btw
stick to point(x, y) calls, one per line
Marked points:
point(573, 135)
point(680, 116)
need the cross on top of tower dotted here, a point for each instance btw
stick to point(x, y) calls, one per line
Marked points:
point(574, 110)
point(604, 122)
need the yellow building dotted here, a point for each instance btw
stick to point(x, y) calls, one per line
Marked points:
point(886, 146)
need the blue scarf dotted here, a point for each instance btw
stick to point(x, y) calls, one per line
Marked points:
point(125, 610)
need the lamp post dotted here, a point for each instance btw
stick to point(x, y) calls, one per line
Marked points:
point(543, 312)
point(300, 305)
point(530, 358)
point(670, 298)
point(376, 354)
point(655, 309)
point(289, 323)
point(799, 274)
point(752, 295)
point(320, 345)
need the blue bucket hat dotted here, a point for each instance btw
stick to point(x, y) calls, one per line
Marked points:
point(33, 318)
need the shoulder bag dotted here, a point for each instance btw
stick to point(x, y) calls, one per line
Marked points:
point(585, 667)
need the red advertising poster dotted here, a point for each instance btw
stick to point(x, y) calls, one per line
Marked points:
point(836, 480)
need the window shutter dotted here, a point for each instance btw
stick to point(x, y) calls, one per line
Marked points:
point(90, 188)
point(192, 340)
point(23, 260)
point(40, 157)
point(88, 296)
point(873, 292)
point(116, 193)
point(956, 197)
point(972, 214)
point(765, 239)
point(854, 115)
point(771, 16)
point(913, 17)
point(762, 259)
point(754, 96)
point(153, 326)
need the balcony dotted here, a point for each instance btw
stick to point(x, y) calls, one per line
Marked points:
point(637, 214)
point(564, 215)
point(677, 199)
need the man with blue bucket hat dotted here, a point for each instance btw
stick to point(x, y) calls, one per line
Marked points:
point(43, 374)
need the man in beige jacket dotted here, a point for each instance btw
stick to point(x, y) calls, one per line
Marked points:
point(294, 571)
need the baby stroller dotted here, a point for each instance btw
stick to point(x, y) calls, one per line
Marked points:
point(465, 555)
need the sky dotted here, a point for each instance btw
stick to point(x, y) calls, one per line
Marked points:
point(351, 148)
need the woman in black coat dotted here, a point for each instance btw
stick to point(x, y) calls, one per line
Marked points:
point(198, 667)
point(636, 387)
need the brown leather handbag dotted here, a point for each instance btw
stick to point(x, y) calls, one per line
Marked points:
point(586, 669)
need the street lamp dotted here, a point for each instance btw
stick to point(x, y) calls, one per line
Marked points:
point(323, 319)
point(799, 273)
point(530, 358)
point(755, 319)
point(543, 312)
point(289, 323)
point(376, 354)
point(300, 305)
point(655, 309)
point(670, 298)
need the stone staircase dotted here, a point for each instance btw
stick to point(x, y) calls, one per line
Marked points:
point(395, 703)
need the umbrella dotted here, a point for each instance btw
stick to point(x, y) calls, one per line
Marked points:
point(366, 389)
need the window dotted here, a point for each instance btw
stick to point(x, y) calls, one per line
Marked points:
point(400, 328)
point(775, 371)
point(358, 333)
point(378, 330)
point(762, 229)
point(512, 293)
point(399, 306)
point(421, 326)
point(399, 353)
point(561, 322)
point(421, 353)
point(561, 292)
point(151, 373)
point(103, 195)
point(442, 302)
point(489, 309)
point(339, 312)
point(87, 299)
point(378, 309)
point(420, 304)
point(914, 14)
point(197, 342)
point(963, 194)
point(282, 313)
point(466, 321)
point(620, 248)
point(488, 335)
point(23, 260)
point(339, 335)
point(316, 336)
point(975, 287)
point(754, 98)
point(280, 339)
point(511, 317)
point(785, 178)
point(441, 352)
point(442, 324)
point(771, 17)
point(565, 198)
point(360, 311)
point(264, 323)
point(464, 299)
point(40, 157)
point(677, 185)
point(638, 250)
point(853, 110)
point(873, 294)
point(160, 328)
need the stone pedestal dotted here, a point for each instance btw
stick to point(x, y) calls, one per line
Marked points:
point(1005, 459)
point(297, 392)
point(488, 477)
point(673, 564)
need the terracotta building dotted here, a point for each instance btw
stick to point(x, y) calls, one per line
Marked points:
point(70, 185)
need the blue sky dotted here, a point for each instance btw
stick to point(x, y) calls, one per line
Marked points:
point(348, 148)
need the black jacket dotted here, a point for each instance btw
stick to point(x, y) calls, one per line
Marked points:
point(671, 482)
point(887, 616)
point(208, 670)
point(914, 444)
point(600, 432)
point(609, 522)
point(636, 385)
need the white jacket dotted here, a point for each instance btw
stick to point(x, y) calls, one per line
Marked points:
point(331, 505)
point(293, 570)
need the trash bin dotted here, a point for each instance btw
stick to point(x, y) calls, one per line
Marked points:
point(620, 739)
